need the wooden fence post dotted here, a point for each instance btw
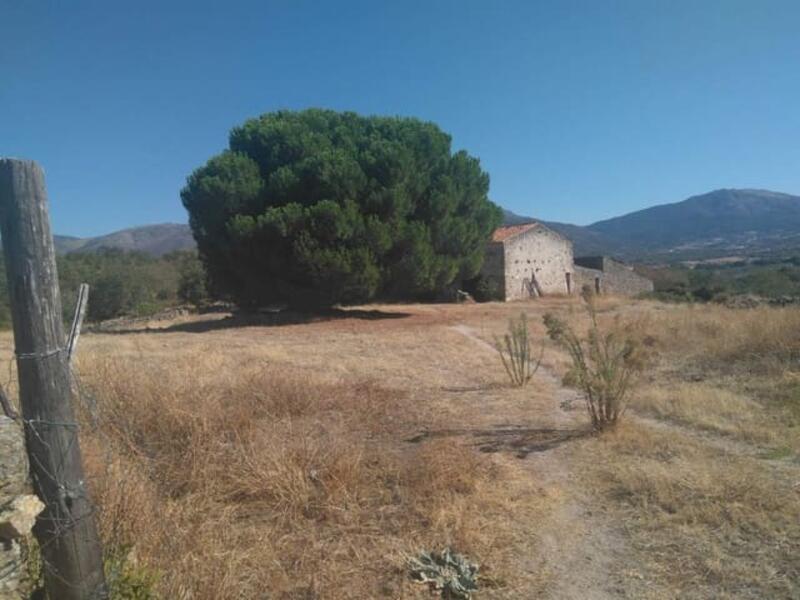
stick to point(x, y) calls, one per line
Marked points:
point(66, 530)
point(77, 320)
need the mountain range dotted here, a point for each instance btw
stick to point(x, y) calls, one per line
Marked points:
point(156, 240)
point(722, 223)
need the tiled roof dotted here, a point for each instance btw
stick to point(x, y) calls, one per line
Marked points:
point(501, 234)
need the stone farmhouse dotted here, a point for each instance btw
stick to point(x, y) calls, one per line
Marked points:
point(531, 260)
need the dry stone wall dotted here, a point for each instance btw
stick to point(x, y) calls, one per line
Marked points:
point(612, 277)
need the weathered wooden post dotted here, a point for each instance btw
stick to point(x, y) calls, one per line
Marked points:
point(66, 530)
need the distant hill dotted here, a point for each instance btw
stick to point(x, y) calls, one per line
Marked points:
point(585, 241)
point(722, 222)
point(150, 239)
point(727, 222)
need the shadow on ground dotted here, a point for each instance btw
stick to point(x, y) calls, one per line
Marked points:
point(277, 319)
point(521, 441)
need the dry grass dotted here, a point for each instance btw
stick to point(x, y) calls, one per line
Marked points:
point(234, 484)
point(248, 462)
point(708, 489)
point(755, 341)
point(706, 524)
point(709, 407)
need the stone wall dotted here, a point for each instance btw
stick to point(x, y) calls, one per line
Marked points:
point(538, 254)
point(539, 261)
point(592, 278)
point(18, 508)
point(614, 277)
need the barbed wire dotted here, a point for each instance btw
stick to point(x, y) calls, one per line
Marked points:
point(60, 515)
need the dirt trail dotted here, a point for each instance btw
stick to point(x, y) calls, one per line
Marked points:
point(580, 548)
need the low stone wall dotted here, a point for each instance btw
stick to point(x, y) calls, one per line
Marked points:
point(610, 276)
point(18, 507)
point(591, 278)
point(624, 281)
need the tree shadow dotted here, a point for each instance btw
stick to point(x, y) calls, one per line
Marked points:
point(521, 441)
point(276, 319)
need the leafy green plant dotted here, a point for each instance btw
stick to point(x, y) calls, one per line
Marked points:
point(192, 281)
point(516, 352)
point(604, 365)
point(451, 574)
point(127, 579)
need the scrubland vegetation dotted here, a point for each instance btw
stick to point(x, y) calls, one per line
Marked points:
point(706, 477)
point(122, 283)
point(312, 460)
point(722, 282)
point(225, 474)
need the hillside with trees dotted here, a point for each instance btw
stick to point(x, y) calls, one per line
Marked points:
point(317, 207)
point(122, 283)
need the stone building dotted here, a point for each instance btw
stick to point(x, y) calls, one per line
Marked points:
point(531, 260)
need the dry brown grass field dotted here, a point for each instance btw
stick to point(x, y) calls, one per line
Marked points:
point(307, 460)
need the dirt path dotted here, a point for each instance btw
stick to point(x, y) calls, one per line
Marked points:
point(580, 548)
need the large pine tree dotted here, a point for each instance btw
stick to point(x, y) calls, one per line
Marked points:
point(317, 207)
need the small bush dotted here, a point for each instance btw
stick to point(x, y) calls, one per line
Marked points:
point(128, 580)
point(451, 574)
point(125, 577)
point(604, 365)
point(192, 281)
point(516, 353)
point(484, 289)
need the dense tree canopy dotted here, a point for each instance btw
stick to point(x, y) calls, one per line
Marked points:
point(121, 283)
point(316, 207)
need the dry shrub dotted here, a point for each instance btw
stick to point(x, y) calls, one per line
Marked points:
point(253, 482)
point(516, 352)
point(605, 363)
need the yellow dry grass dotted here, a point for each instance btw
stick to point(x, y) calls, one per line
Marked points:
point(235, 484)
point(255, 459)
point(272, 461)
point(707, 485)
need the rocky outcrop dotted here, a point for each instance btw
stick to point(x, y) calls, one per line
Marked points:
point(18, 507)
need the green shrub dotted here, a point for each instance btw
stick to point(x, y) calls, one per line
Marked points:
point(125, 578)
point(128, 580)
point(484, 289)
point(192, 281)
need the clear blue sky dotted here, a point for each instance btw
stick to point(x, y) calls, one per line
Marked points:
point(578, 110)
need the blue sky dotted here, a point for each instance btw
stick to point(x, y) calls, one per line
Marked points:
point(579, 110)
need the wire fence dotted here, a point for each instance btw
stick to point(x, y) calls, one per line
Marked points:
point(73, 502)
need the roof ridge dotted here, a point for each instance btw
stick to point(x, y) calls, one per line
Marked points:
point(508, 231)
